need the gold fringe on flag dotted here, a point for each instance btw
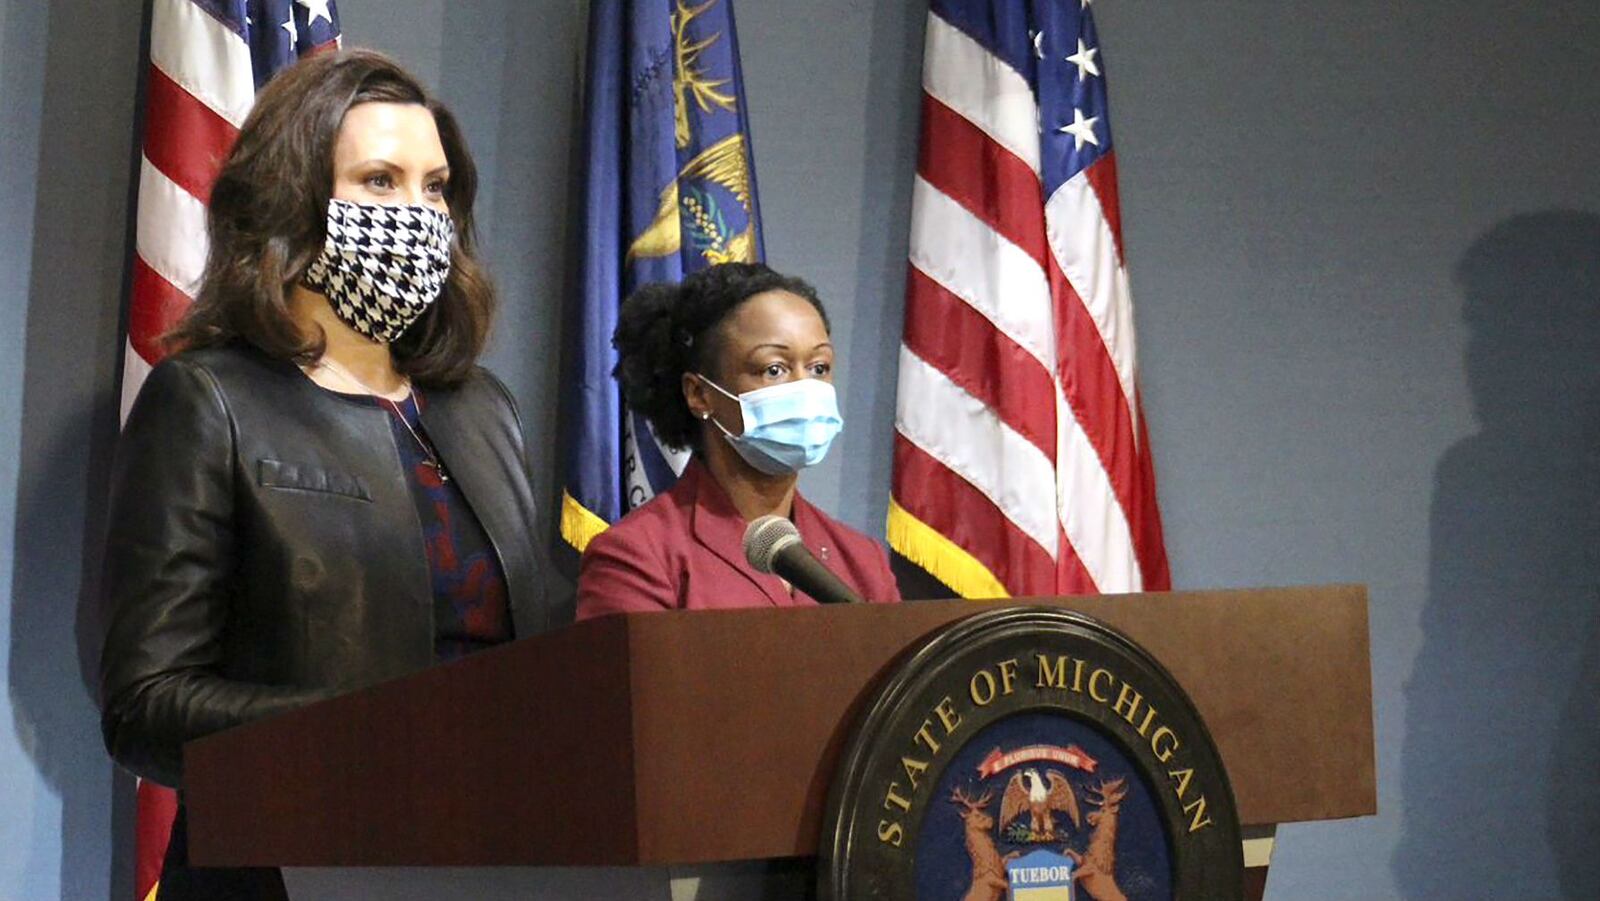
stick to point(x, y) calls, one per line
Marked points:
point(920, 543)
point(579, 525)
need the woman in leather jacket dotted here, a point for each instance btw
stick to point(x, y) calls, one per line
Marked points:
point(321, 489)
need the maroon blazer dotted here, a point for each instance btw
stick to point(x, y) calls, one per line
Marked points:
point(684, 550)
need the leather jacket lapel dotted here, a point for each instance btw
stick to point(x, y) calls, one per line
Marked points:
point(481, 473)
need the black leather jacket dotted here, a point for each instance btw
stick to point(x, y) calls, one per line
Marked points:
point(264, 551)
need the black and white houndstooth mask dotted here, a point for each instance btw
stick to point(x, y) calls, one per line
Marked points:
point(382, 266)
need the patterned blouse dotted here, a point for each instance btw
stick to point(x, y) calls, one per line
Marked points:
point(470, 610)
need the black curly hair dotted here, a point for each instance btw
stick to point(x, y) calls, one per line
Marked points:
point(665, 330)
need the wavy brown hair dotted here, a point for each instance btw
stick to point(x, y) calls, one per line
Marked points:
point(267, 221)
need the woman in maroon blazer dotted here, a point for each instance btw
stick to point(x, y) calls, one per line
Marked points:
point(735, 364)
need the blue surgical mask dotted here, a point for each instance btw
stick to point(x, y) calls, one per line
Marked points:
point(787, 427)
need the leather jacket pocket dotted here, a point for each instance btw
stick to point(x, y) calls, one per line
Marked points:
point(307, 477)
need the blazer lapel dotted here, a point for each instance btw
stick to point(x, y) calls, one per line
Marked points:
point(719, 527)
point(815, 534)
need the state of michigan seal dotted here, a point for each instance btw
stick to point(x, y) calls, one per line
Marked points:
point(1030, 754)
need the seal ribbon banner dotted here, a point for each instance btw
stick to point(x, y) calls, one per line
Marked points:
point(1072, 756)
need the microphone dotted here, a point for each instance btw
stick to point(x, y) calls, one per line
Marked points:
point(772, 545)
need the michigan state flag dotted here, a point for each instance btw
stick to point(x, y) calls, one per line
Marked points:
point(670, 188)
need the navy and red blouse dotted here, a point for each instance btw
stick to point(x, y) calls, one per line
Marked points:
point(470, 609)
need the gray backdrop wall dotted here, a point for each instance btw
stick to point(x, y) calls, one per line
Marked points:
point(1365, 247)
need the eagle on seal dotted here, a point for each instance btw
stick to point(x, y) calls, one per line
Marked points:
point(1027, 792)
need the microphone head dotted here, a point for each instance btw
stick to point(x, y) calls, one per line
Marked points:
point(765, 537)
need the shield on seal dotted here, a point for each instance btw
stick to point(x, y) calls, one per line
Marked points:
point(1040, 876)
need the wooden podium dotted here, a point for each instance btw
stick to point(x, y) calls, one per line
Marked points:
point(691, 738)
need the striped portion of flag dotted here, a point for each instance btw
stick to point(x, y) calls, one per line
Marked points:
point(1022, 464)
point(207, 58)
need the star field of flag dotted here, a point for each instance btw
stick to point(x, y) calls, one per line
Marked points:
point(1053, 45)
point(278, 32)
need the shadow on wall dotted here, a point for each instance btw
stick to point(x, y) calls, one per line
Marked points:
point(68, 426)
point(1503, 708)
point(891, 124)
point(570, 302)
point(890, 119)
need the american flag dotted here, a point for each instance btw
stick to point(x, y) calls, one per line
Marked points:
point(207, 58)
point(1022, 462)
